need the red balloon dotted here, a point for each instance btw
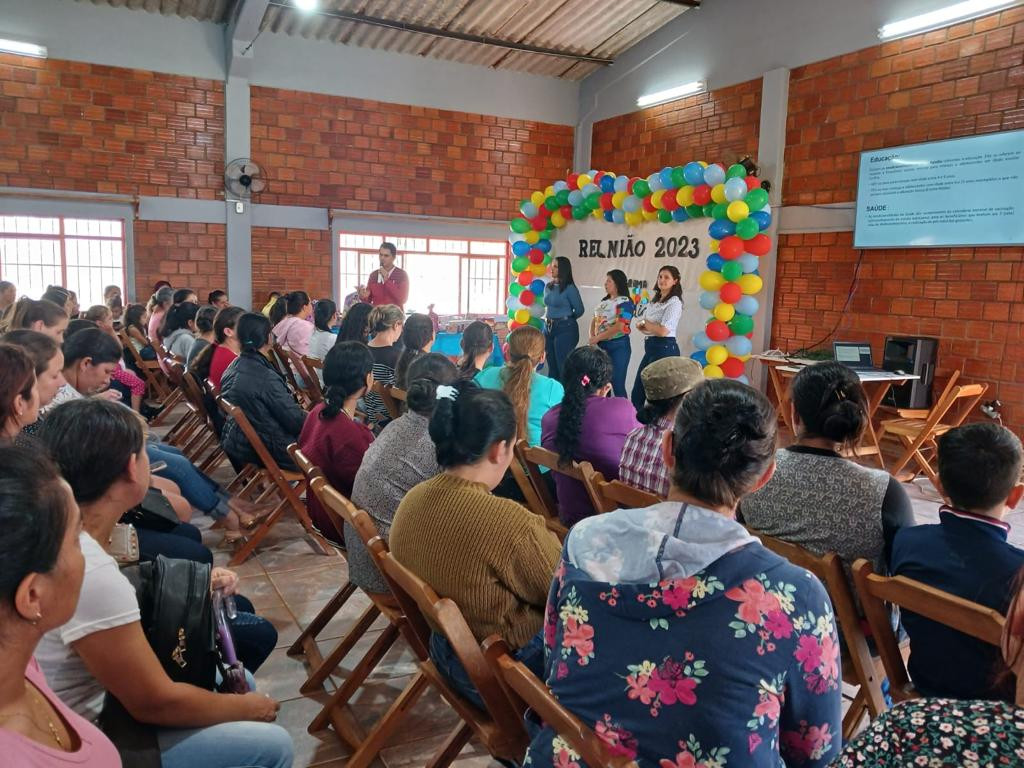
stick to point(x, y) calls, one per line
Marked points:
point(597, 178)
point(525, 278)
point(566, 211)
point(527, 298)
point(717, 330)
point(752, 183)
point(515, 324)
point(573, 181)
point(759, 245)
point(730, 293)
point(648, 205)
point(702, 194)
point(733, 368)
point(731, 247)
point(632, 181)
point(606, 201)
point(536, 256)
point(539, 222)
point(669, 201)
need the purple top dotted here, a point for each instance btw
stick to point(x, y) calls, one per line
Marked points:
point(606, 424)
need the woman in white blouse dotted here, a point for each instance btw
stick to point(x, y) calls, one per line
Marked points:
point(658, 324)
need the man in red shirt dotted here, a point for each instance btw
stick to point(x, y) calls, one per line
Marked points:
point(389, 284)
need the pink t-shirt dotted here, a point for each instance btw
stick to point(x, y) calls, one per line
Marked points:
point(95, 750)
point(294, 333)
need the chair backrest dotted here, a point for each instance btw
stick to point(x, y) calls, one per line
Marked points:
point(829, 570)
point(615, 494)
point(398, 394)
point(415, 628)
point(388, 398)
point(195, 397)
point(523, 685)
point(266, 458)
point(310, 470)
point(533, 457)
point(875, 591)
point(948, 400)
point(279, 359)
point(314, 365)
point(175, 369)
point(339, 506)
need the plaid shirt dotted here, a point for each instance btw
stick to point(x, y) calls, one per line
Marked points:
point(641, 465)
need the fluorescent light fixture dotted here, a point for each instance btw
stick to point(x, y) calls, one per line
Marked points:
point(970, 9)
point(670, 94)
point(306, 5)
point(23, 49)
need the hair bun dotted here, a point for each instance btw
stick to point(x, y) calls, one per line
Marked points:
point(843, 419)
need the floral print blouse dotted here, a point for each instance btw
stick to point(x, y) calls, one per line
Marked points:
point(728, 656)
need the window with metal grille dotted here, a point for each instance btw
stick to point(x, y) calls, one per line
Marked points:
point(457, 276)
point(83, 255)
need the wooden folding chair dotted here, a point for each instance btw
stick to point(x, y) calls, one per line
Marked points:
point(398, 395)
point(204, 440)
point(875, 591)
point(918, 435)
point(615, 494)
point(289, 486)
point(150, 371)
point(281, 362)
point(857, 664)
point(183, 430)
point(314, 366)
point(384, 391)
point(500, 727)
point(530, 459)
point(526, 690)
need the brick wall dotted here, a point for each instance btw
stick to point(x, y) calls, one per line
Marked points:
point(337, 152)
point(960, 81)
point(716, 126)
point(187, 255)
point(290, 260)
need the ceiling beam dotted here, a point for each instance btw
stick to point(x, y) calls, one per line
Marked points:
point(360, 18)
point(240, 33)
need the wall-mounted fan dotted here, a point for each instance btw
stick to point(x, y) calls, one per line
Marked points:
point(242, 178)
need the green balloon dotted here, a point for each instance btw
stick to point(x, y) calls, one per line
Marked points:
point(731, 271)
point(537, 323)
point(720, 211)
point(511, 314)
point(641, 189)
point(520, 225)
point(519, 263)
point(678, 179)
point(736, 171)
point(562, 197)
point(580, 212)
point(664, 216)
point(709, 210)
point(594, 201)
point(547, 234)
point(741, 325)
point(515, 289)
point(746, 229)
point(695, 211)
point(551, 203)
point(548, 258)
point(756, 199)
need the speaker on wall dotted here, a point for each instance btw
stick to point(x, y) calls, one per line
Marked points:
point(914, 355)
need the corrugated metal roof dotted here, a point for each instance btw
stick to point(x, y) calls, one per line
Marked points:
point(603, 28)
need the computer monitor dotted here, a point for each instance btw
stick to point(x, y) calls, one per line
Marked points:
point(855, 354)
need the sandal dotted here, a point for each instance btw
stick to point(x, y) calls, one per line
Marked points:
point(232, 540)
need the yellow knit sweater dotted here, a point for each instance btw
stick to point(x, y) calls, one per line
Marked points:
point(493, 557)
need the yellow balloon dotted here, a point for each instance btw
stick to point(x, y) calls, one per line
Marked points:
point(522, 316)
point(633, 218)
point(685, 195)
point(656, 198)
point(538, 269)
point(537, 198)
point(713, 245)
point(724, 311)
point(743, 358)
point(713, 372)
point(711, 280)
point(583, 180)
point(531, 236)
point(718, 193)
point(549, 191)
point(716, 353)
point(650, 215)
point(597, 213)
point(557, 219)
point(737, 210)
point(702, 164)
point(750, 284)
point(618, 198)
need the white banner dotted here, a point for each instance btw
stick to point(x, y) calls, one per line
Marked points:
point(596, 247)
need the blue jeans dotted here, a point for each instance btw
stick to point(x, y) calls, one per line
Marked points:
point(241, 744)
point(562, 338)
point(448, 664)
point(254, 636)
point(182, 543)
point(655, 348)
point(618, 350)
point(200, 491)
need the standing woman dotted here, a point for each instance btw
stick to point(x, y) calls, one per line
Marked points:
point(659, 326)
point(564, 306)
point(609, 329)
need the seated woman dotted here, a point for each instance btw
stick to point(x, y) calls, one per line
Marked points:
point(99, 449)
point(477, 346)
point(19, 394)
point(128, 383)
point(331, 437)
point(48, 361)
point(385, 324)
point(42, 316)
point(709, 645)
point(400, 458)
point(666, 382)
point(818, 499)
point(178, 330)
point(490, 555)
point(325, 318)
point(355, 325)
point(40, 580)
point(293, 327)
point(135, 319)
point(255, 386)
point(210, 364)
point(103, 647)
point(587, 425)
point(157, 307)
point(204, 333)
point(417, 339)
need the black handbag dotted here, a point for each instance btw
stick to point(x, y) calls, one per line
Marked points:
point(155, 513)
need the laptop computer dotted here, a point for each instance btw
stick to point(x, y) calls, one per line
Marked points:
point(855, 355)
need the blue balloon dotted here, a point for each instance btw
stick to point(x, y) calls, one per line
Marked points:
point(654, 182)
point(708, 300)
point(715, 262)
point(735, 189)
point(537, 286)
point(701, 357)
point(592, 173)
point(559, 185)
point(543, 245)
point(666, 178)
point(721, 228)
point(693, 173)
point(618, 216)
point(621, 183)
point(608, 216)
point(701, 340)
point(743, 379)
point(590, 189)
point(528, 209)
point(749, 262)
point(713, 175)
point(738, 346)
point(747, 306)
point(520, 248)
point(575, 198)
point(763, 219)
point(631, 204)
point(608, 183)
point(680, 214)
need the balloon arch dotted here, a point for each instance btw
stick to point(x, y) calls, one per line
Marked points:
point(733, 200)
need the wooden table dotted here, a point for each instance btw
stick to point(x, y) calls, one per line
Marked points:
point(876, 383)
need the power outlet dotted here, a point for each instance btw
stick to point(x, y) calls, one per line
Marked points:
point(239, 206)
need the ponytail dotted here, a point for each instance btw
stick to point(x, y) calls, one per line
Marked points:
point(464, 428)
point(525, 351)
point(586, 370)
point(476, 339)
point(418, 331)
point(425, 374)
